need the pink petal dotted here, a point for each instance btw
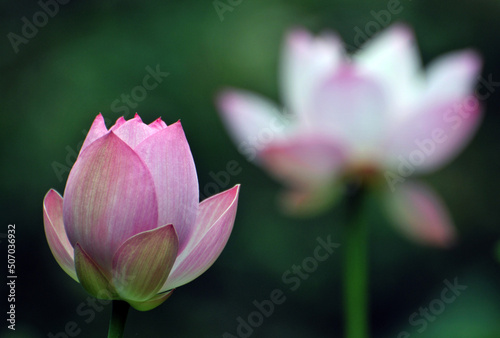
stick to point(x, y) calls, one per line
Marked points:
point(306, 62)
point(420, 215)
point(143, 262)
point(433, 136)
point(383, 50)
point(305, 162)
point(252, 121)
point(169, 159)
point(453, 76)
point(392, 57)
point(109, 197)
point(55, 233)
point(352, 108)
point(134, 131)
point(97, 130)
point(121, 120)
point(213, 226)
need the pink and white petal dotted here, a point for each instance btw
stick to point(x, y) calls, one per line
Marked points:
point(109, 197)
point(56, 234)
point(434, 135)
point(305, 162)
point(158, 124)
point(170, 162)
point(351, 108)
point(134, 131)
point(248, 116)
point(143, 262)
point(97, 130)
point(151, 303)
point(213, 226)
point(306, 62)
point(420, 215)
point(453, 76)
point(393, 58)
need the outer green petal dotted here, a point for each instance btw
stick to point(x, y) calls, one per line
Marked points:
point(143, 262)
point(91, 276)
point(151, 304)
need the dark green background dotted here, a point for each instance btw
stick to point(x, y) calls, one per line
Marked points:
point(91, 52)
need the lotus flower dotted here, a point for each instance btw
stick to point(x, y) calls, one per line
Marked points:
point(374, 115)
point(130, 226)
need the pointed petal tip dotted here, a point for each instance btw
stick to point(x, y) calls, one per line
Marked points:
point(158, 124)
point(51, 200)
point(176, 127)
point(50, 193)
point(97, 130)
point(121, 120)
point(234, 191)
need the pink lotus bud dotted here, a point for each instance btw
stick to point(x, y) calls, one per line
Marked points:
point(130, 225)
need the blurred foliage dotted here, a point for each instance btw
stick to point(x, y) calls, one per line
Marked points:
point(92, 52)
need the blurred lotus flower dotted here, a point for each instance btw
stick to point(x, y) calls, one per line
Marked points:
point(375, 116)
point(130, 226)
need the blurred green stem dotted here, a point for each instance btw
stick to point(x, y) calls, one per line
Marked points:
point(118, 318)
point(356, 266)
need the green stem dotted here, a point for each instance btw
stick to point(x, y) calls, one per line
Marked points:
point(118, 317)
point(356, 266)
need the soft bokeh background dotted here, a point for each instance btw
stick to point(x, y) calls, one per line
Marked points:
point(92, 52)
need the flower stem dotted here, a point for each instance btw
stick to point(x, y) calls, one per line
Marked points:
point(356, 266)
point(118, 317)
